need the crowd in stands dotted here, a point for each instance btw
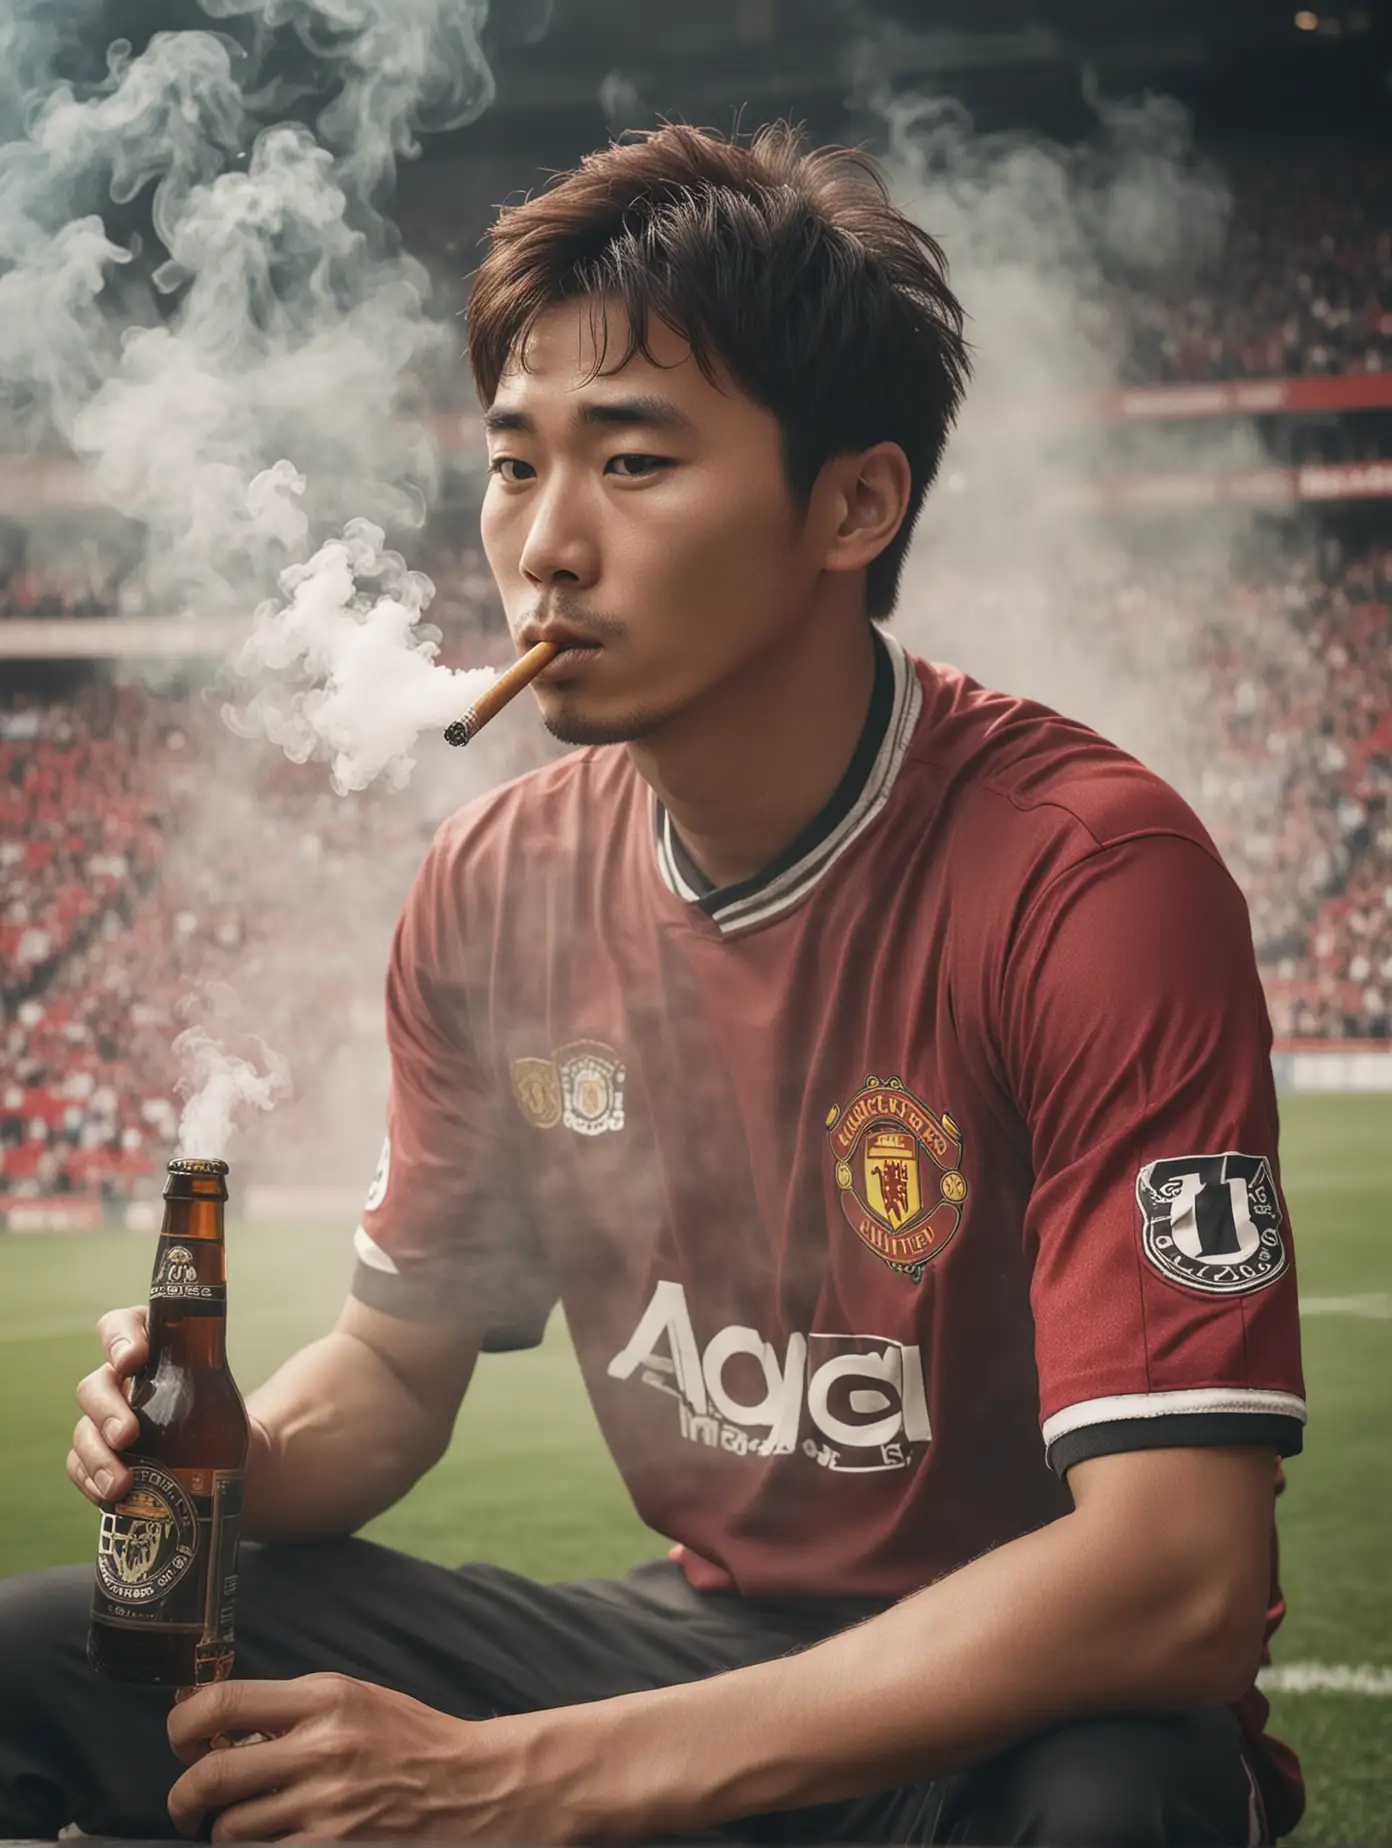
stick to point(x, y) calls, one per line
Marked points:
point(1303, 282)
point(86, 792)
point(114, 907)
point(53, 593)
point(1291, 765)
point(130, 881)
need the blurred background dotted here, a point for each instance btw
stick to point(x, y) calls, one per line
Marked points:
point(240, 234)
point(1165, 511)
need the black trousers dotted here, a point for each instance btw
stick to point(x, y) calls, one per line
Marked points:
point(481, 1641)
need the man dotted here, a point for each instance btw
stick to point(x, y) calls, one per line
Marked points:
point(875, 1067)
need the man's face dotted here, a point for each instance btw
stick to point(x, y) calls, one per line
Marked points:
point(646, 511)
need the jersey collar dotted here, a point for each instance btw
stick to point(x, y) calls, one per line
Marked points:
point(895, 705)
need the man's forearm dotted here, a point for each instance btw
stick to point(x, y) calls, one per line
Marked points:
point(1052, 1626)
point(336, 1439)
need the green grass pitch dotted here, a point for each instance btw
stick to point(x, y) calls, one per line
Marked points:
point(528, 1481)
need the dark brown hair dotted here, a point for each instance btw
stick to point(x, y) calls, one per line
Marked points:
point(791, 268)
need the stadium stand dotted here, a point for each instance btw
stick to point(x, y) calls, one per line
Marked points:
point(108, 914)
point(116, 909)
point(1302, 285)
point(25, 594)
point(1296, 783)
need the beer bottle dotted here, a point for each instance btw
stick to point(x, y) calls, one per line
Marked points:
point(167, 1557)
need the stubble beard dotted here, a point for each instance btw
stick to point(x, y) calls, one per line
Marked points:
point(571, 727)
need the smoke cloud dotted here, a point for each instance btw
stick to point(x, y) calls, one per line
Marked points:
point(270, 342)
point(236, 393)
point(221, 1087)
point(358, 681)
point(1090, 613)
point(203, 297)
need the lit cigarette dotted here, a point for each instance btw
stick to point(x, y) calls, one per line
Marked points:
point(507, 686)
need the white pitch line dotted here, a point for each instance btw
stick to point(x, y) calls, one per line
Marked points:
point(1377, 1306)
point(1325, 1678)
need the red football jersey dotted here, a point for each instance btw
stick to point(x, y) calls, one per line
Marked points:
point(879, 1190)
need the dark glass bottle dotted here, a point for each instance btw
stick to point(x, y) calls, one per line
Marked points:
point(167, 1558)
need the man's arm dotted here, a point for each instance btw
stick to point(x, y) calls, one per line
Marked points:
point(1149, 1598)
point(351, 1422)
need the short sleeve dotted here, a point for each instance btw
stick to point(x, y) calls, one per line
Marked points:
point(446, 1231)
point(1138, 1048)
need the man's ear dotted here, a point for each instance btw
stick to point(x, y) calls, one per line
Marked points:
point(863, 499)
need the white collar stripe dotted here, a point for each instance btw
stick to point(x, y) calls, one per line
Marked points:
point(671, 868)
point(793, 884)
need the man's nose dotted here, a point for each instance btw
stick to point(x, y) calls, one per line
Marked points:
point(559, 549)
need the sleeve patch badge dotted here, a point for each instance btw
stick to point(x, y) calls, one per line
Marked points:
point(377, 1192)
point(1212, 1222)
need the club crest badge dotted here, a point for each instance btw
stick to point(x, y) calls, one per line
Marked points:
point(581, 1087)
point(592, 1087)
point(1212, 1222)
point(898, 1169)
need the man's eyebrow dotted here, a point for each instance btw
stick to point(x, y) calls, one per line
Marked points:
point(647, 410)
point(495, 419)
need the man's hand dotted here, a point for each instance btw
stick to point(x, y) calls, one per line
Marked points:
point(108, 1425)
point(346, 1760)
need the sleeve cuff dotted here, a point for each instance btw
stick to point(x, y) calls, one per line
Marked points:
point(1174, 1421)
point(512, 1300)
point(1177, 1432)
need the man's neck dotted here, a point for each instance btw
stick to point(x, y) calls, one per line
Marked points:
point(743, 773)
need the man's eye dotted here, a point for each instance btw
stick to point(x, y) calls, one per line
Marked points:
point(635, 467)
point(504, 467)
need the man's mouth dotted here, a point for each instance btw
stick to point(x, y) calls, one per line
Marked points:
point(573, 658)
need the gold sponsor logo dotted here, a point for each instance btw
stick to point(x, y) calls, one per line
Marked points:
point(536, 1085)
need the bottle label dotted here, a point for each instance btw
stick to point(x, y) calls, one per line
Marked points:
point(176, 1280)
point(149, 1539)
point(214, 1654)
point(167, 1554)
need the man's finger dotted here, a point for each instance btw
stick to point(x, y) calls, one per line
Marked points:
point(78, 1476)
point(125, 1340)
point(238, 1706)
point(266, 1819)
point(222, 1780)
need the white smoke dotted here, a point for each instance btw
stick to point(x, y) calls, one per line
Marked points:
point(241, 402)
point(277, 331)
point(356, 678)
point(221, 1087)
point(241, 392)
point(1043, 243)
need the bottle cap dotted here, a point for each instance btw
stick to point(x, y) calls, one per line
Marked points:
point(192, 1177)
